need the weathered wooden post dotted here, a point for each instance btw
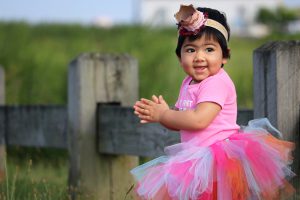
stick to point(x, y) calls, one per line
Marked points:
point(277, 90)
point(94, 78)
point(2, 136)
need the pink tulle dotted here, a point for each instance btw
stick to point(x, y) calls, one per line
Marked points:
point(244, 166)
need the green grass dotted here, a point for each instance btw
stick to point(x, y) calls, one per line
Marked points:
point(36, 59)
point(34, 180)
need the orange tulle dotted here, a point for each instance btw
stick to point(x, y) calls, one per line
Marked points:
point(283, 147)
point(163, 194)
point(236, 180)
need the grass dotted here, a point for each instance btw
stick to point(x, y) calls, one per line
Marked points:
point(32, 179)
point(36, 59)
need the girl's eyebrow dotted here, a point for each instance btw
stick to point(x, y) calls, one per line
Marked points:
point(210, 43)
point(189, 44)
point(205, 44)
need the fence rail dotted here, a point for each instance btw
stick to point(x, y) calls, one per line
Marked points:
point(46, 126)
point(34, 126)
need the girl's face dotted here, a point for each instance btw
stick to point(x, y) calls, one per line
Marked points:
point(201, 58)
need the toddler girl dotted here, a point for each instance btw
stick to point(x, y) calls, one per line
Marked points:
point(216, 159)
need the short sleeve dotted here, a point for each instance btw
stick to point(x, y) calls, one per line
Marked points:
point(214, 90)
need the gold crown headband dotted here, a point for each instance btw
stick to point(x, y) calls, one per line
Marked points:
point(190, 21)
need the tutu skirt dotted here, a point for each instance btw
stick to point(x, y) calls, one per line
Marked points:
point(250, 164)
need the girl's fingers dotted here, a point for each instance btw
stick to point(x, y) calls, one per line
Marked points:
point(142, 118)
point(155, 99)
point(138, 104)
point(142, 113)
point(140, 110)
point(147, 101)
point(161, 99)
point(141, 105)
point(137, 113)
point(145, 118)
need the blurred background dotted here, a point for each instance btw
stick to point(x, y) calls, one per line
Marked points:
point(38, 40)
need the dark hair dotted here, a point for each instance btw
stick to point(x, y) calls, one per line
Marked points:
point(209, 32)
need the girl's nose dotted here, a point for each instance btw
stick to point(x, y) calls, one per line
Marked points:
point(199, 57)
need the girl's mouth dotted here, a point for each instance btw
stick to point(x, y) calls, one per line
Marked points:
point(199, 69)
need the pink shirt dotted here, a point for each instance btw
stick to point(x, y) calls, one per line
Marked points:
point(219, 89)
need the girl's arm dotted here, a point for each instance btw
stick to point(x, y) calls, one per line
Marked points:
point(169, 127)
point(196, 119)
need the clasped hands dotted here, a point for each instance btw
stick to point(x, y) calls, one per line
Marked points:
point(151, 110)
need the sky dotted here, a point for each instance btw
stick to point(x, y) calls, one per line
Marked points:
point(78, 11)
point(75, 11)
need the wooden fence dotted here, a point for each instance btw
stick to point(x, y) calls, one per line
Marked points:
point(103, 136)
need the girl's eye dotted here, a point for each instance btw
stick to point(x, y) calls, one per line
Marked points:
point(190, 50)
point(209, 49)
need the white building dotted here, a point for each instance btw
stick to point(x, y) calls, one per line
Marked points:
point(240, 13)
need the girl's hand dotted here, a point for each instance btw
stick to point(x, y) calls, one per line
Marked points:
point(153, 112)
point(137, 107)
point(150, 111)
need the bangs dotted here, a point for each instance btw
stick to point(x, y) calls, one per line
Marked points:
point(208, 33)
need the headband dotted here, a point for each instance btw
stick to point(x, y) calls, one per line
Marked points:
point(190, 21)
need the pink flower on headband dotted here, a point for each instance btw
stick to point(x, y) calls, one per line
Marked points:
point(190, 18)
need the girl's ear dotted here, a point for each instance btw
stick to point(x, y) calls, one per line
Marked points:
point(228, 50)
point(224, 60)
